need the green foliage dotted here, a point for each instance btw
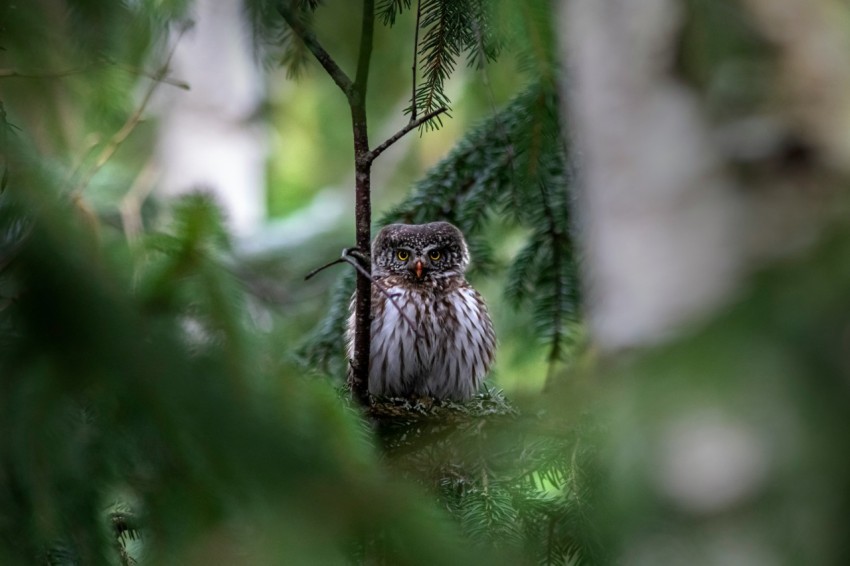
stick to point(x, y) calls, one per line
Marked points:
point(274, 41)
point(750, 410)
point(515, 479)
point(106, 394)
point(449, 28)
point(388, 10)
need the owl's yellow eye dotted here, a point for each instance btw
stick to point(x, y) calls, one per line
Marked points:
point(434, 255)
point(403, 255)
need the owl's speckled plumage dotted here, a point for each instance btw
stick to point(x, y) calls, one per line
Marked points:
point(451, 349)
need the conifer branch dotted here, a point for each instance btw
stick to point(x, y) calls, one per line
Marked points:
point(356, 95)
point(555, 233)
point(415, 59)
point(15, 73)
point(322, 56)
point(121, 135)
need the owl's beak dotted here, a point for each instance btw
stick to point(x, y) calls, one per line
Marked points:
point(418, 267)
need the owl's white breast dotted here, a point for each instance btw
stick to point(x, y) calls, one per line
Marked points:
point(400, 352)
point(441, 346)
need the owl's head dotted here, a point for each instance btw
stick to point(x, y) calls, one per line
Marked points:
point(420, 252)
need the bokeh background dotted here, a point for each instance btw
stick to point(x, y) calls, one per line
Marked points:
point(655, 197)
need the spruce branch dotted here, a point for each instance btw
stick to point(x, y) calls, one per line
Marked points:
point(388, 10)
point(322, 56)
point(558, 246)
point(415, 59)
point(15, 73)
point(322, 268)
point(438, 51)
point(122, 134)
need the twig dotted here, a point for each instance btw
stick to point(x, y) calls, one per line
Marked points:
point(413, 124)
point(89, 144)
point(10, 73)
point(14, 73)
point(349, 257)
point(362, 206)
point(121, 135)
point(131, 204)
point(183, 85)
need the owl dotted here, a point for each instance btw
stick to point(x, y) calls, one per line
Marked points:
point(443, 345)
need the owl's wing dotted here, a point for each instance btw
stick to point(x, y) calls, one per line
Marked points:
point(467, 347)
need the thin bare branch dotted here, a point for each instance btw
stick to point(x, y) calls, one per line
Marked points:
point(412, 125)
point(9, 73)
point(14, 73)
point(183, 85)
point(324, 267)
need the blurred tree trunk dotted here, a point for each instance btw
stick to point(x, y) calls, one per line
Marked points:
point(676, 206)
point(210, 138)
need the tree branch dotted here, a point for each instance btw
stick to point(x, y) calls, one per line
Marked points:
point(415, 59)
point(9, 73)
point(14, 73)
point(559, 246)
point(413, 124)
point(121, 135)
point(323, 57)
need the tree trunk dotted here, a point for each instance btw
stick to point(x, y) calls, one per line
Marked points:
point(208, 139)
point(670, 223)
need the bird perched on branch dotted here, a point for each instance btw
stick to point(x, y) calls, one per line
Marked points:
point(431, 333)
